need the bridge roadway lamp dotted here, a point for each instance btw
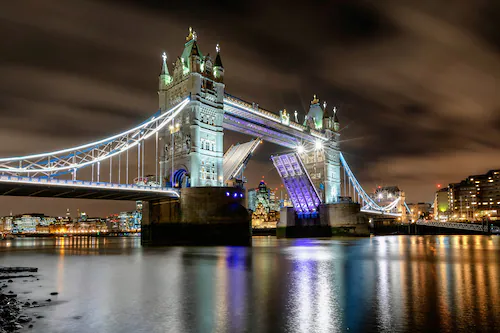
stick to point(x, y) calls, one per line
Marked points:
point(318, 145)
point(300, 149)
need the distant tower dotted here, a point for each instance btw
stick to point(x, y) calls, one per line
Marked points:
point(194, 141)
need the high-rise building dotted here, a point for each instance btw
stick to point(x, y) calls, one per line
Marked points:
point(441, 205)
point(475, 197)
point(252, 199)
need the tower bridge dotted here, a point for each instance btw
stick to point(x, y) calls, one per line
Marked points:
point(191, 169)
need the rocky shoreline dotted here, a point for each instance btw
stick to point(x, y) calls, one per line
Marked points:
point(13, 315)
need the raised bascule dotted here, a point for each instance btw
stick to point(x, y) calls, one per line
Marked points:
point(198, 195)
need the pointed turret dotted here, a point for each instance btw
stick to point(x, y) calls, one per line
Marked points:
point(194, 49)
point(218, 67)
point(218, 60)
point(314, 118)
point(165, 77)
point(326, 118)
point(191, 55)
point(336, 123)
point(195, 58)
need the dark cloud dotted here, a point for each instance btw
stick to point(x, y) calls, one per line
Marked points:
point(352, 22)
point(415, 83)
point(487, 22)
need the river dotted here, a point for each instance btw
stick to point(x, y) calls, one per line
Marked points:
point(377, 284)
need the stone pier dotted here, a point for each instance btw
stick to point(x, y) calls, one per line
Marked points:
point(334, 219)
point(202, 216)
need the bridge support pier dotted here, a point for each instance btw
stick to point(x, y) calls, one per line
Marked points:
point(345, 218)
point(202, 216)
point(334, 219)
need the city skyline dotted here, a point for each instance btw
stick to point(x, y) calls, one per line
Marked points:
point(413, 129)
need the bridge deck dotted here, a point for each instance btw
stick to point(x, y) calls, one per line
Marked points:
point(56, 188)
point(302, 192)
point(236, 157)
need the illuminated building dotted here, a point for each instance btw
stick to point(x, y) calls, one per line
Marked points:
point(6, 223)
point(384, 195)
point(265, 206)
point(26, 223)
point(420, 210)
point(264, 196)
point(441, 205)
point(126, 221)
point(475, 197)
point(263, 219)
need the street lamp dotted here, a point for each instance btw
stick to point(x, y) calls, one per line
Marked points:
point(318, 145)
point(300, 149)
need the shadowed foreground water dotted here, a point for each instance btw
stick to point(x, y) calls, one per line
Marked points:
point(390, 284)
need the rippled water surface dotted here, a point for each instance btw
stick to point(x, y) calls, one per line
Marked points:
point(389, 284)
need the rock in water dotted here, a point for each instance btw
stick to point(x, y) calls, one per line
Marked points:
point(23, 319)
point(17, 269)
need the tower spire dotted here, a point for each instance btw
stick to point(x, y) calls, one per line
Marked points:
point(165, 77)
point(192, 34)
point(218, 60)
point(315, 100)
point(164, 67)
point(336, 123)
point(218, 67)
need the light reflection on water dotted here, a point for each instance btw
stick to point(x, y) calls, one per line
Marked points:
point(390, 284)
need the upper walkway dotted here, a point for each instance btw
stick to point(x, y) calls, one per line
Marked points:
point(244, 117)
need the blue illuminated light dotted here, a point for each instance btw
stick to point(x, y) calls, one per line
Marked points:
point(227, 194)
point(235, 195)
point(241, 195)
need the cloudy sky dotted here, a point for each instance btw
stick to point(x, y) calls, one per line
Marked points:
point(416, 83)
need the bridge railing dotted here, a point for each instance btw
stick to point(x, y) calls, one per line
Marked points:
point(454, 225)
point(85, 184)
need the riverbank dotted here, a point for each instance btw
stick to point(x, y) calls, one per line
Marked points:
point(57, 235)
point(14, 308)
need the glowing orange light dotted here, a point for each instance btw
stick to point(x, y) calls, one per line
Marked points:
point(439, 185)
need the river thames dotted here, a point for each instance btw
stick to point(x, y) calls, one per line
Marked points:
point(377, 284)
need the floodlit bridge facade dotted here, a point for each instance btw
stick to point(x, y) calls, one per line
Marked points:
point(187, 136)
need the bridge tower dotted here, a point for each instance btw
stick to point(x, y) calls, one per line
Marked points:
point(193, 143)
point(323, 162)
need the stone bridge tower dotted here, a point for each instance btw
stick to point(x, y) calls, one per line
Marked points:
point(323, 161)
point(193, 143)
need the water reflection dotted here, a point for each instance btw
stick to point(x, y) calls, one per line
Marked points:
point(390, 284)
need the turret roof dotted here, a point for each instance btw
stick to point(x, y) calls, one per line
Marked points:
point(188, 50)
point(335, 118)
point(218, 61)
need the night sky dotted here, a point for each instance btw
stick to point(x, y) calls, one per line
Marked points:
point(416, 83)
